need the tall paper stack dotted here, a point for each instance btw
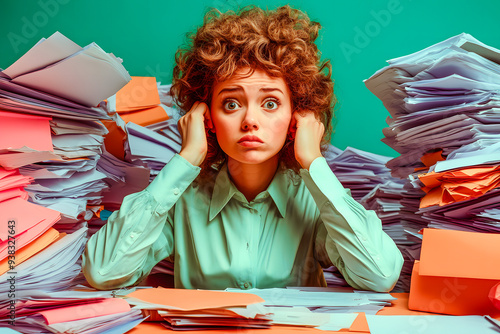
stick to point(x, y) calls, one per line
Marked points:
point(66, 82)
point(444, 103)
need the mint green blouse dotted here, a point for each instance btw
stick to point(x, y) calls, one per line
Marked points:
point(218, 239)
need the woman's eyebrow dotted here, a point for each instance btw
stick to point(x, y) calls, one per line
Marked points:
point(240, 89)
point(272, 89)
point(230, 90)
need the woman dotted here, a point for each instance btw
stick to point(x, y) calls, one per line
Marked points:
point(249, 201)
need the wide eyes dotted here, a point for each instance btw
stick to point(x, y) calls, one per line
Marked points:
point(231, 105)
point(270, 104)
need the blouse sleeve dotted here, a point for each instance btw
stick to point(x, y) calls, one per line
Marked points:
point(355, 242)
point(140, 234)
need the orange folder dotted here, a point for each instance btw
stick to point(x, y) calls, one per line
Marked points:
point(455, 273)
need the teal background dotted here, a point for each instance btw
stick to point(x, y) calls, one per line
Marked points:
point(146, 35)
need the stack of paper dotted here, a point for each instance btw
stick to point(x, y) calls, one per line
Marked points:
point(201, 309)
point(143, 126)
point(24, 223)
point(444, 103)
point(56, 268)
point(58, 78)
point(333, 277)
point(12, 184)
point(50, 313)
point(396, 205)
point(149, 148)
point(448, 99)
point(322, 300)
point(14, 97)
point(359, 171)
point(25, 139)
point(123, 178)
point(27, 226)
point(60, 67)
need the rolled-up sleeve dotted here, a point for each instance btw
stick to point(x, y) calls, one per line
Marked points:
point(355, 242)
point(140, 234)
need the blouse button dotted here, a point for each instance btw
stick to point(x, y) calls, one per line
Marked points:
point(246, 285)
point(176, 191)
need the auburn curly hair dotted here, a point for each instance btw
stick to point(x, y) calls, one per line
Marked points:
point(279, 42)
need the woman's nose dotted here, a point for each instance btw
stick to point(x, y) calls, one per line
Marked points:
point(250, 121)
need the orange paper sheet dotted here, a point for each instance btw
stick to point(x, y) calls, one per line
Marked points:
point(189, 300)
point(24, 215)
point(139, 93)
point(31, 221)
point(450, 253)
point(84, 311)
point(13, 179)
point(115, 139)
point(26, 156)
point(458, 185)
point(12, 193)
point(19, 130)
point(145, 117)
point(31, 249)
point(455, 273)
point(431, 158)
point(360, 324)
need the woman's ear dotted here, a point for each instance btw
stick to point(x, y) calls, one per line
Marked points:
point(208, 121)
point(292, 128)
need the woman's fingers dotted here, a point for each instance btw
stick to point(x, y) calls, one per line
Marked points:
point(192, 129)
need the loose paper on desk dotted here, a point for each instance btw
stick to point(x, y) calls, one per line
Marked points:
point(429, 324)
point(188, 300)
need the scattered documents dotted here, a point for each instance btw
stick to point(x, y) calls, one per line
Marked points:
point(429, 324)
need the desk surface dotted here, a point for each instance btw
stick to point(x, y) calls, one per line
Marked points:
point(360, 326)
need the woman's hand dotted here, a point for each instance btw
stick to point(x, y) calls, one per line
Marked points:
point(308, 132)
point(193, 133)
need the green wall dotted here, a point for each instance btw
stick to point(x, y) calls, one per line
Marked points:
point(146, 35)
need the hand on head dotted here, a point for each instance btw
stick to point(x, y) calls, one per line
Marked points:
point(192, 128)
point(307, 131)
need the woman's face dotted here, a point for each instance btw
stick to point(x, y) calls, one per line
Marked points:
point(251, 116)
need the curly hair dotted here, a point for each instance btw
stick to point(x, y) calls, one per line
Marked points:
point(279, 42)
